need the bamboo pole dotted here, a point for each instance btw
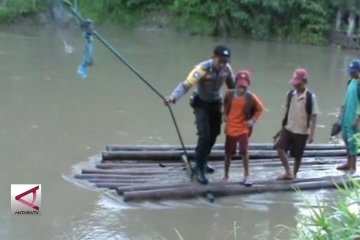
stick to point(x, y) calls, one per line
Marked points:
point(119, 181)
point(226, 190)
point(216, 154)
point(137, 164)
point(109, 176)
point(109, 185)
point(252, 146)
point(215, 164)
point(141, 187)
point(126, 172)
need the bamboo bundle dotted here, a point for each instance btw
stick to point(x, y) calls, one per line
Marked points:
point(148, 172)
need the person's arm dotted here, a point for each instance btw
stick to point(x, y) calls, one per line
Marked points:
point(341, 110)
point(226, 105)
point(259, 108)
point(313, 119)
point(357, 119)
point(192, 79)
point(230, 82)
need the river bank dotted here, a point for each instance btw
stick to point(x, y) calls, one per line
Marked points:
point(316, 24)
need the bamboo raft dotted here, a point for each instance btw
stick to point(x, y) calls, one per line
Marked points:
point(146, 172)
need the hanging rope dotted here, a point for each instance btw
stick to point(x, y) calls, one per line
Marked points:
point(88, 28)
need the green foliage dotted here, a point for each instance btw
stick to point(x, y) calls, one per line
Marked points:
point(123, 12)
point(340, 220)
point(11, 10)
point(304, 21)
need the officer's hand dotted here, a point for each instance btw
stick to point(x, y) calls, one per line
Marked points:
point(169, 100)
point(224, 118)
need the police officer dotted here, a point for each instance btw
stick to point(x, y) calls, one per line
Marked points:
point(208, 76)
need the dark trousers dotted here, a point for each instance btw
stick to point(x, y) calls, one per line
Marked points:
point(208, 123)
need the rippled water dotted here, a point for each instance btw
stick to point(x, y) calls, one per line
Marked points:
point(51, 120)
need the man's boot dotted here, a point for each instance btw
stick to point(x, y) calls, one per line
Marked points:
point(200, 175)
point(209, 169)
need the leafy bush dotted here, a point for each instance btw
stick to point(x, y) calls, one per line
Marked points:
point(337, 221)
point(11, 10)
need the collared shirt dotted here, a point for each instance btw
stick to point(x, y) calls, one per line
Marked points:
point(208, 81)
point(351, 104)
point(297, 118)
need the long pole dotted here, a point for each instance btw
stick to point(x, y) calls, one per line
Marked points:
point(121, 58)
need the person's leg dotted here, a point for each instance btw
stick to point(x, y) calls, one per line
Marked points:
point(215, 128)
point(352, 164)
point(298, 149)
point(282, 146)
point(243, 150)
point(350, 137)
point(201, 150)
point(230, 149)
point(227, 167)
point(345, 137)
point(355, 151)
point(297, 163)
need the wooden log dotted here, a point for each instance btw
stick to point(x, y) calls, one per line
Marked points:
point(252, 146)
point(137, 164)
point(227, 190)
point(109, 185)
point(120, 181)
point(141, 187)
point(126, 172)
point(176, 155)
point(175, 162)
point(109, 176)
point(216, 164)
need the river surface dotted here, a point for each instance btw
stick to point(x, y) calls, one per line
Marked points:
point(51, 120)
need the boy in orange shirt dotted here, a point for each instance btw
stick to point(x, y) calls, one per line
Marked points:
point(242, 109)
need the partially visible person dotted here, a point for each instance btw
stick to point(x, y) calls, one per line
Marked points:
point(349, 117)
point(208, 76)
point(242, 109)
point(298, 125)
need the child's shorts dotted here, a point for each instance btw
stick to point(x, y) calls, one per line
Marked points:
point(291, 141)
point(231, 142)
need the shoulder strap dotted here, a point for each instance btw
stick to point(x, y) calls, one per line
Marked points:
point(309, 106)
point(249, 105)
point(228, 100)
point(288, 100)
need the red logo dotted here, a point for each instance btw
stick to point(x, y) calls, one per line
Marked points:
point(29, 204)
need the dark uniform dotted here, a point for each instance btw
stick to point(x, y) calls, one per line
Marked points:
point(206, 102)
